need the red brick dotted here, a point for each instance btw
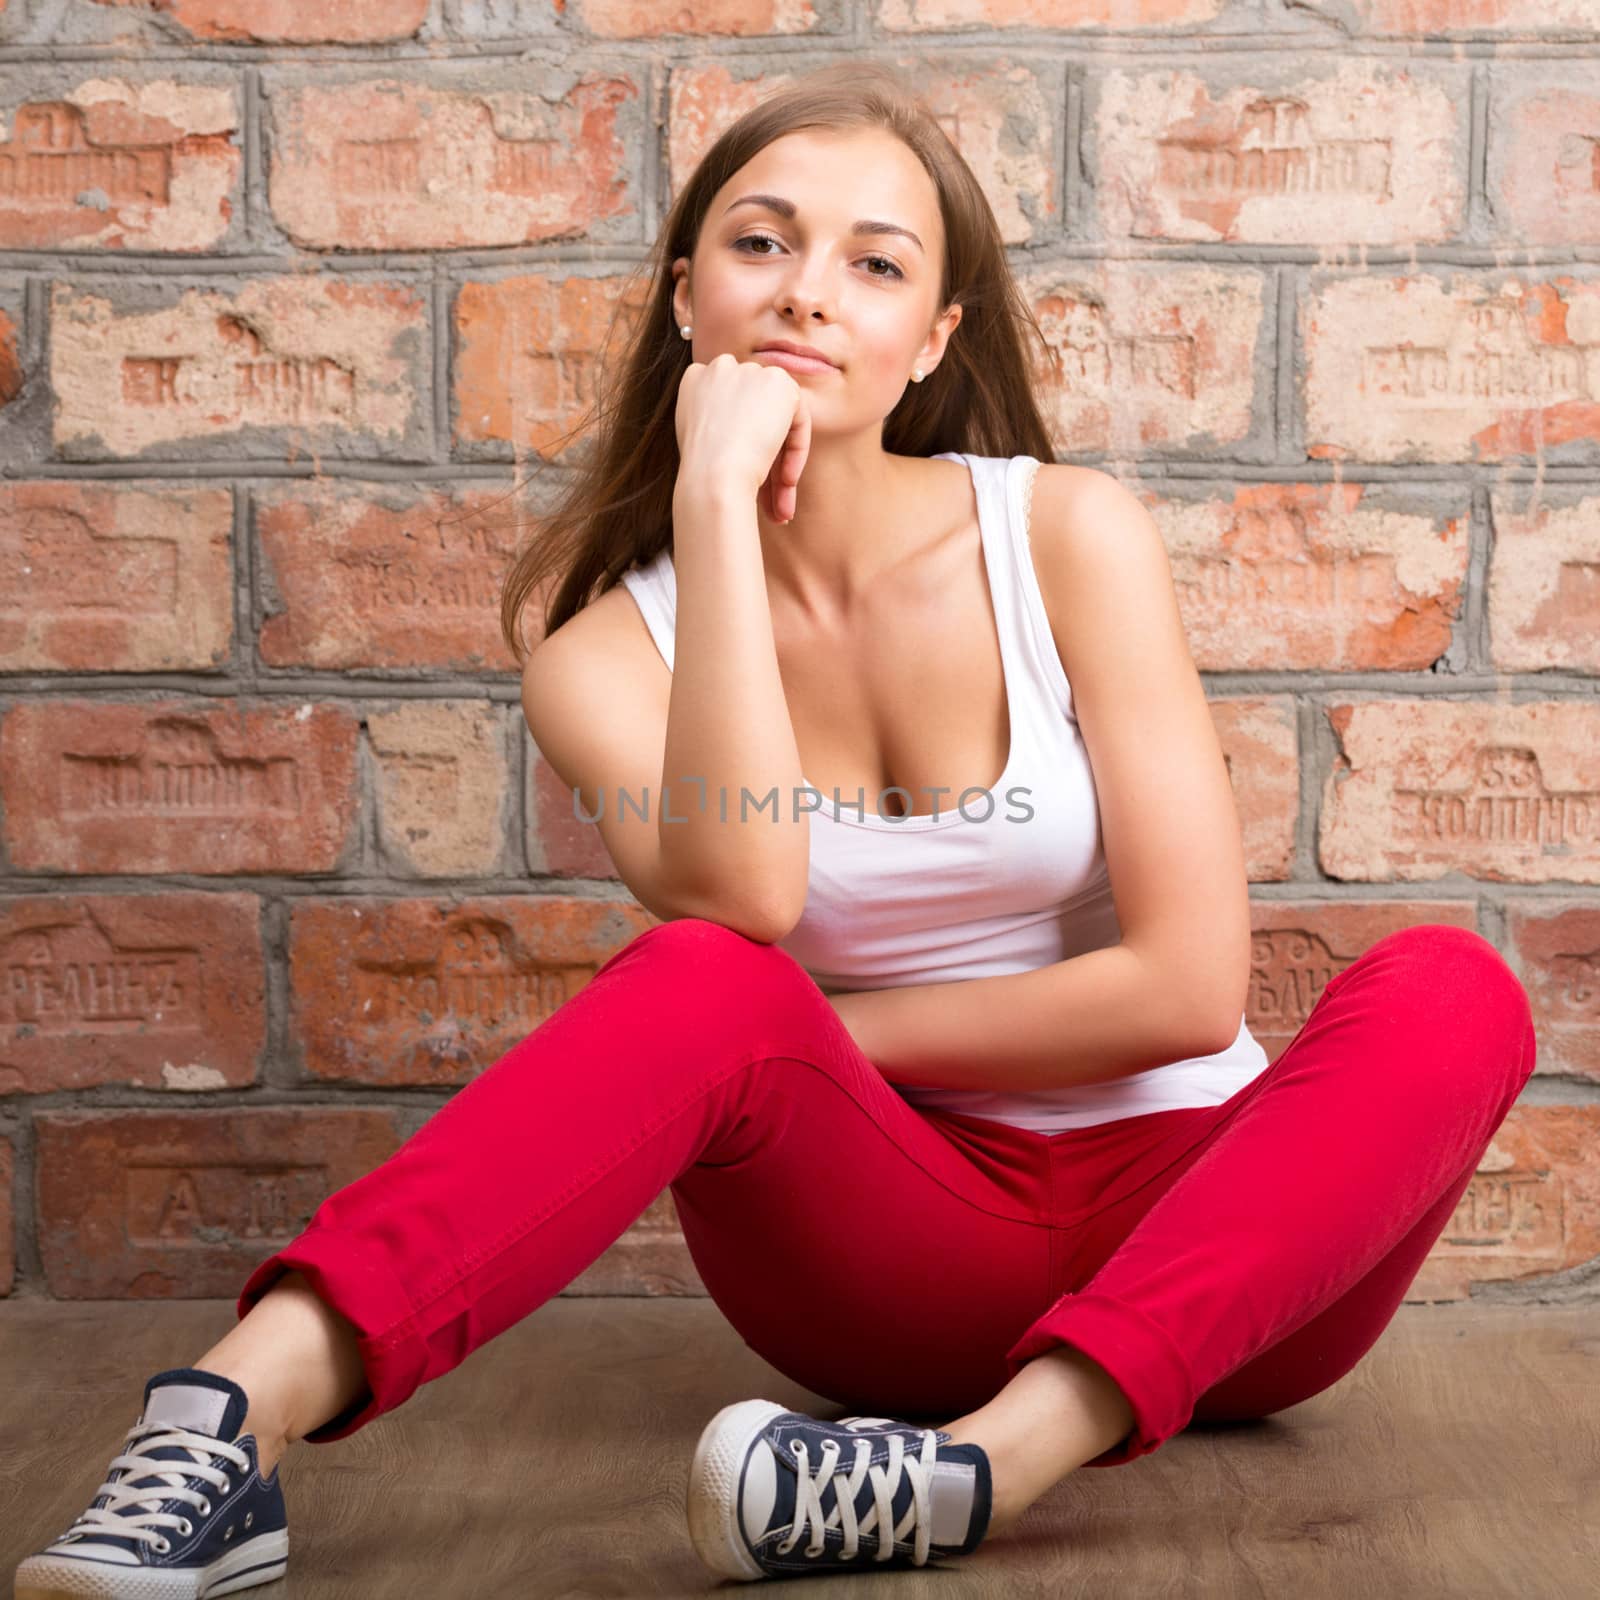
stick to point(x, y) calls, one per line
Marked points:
point(1532, 1208)
point(182, 1205)
point(1555, 948)
point(651, 1258)
point(325, 366)
point(648, 19)
point(1298, 947)
point(1289, 149)
point(177, 786)
point(431, 992)
point(560, 843)
point(381, 575)
point(1436, 18)
point(1260, 748)
point(1284, 577)
point(117, 163)
point(443, 787)
point(916, 16)
point(430, 159)
point(1449, 365)
point(1502, 792)
point(527, 352)
point(8, 1220)
point(289, 21)
point(11, 373)
point(152, 991)
point(1147, 357)
point(115, 577)
point(1544, 580)
point(999, 114)
point(1541, 169)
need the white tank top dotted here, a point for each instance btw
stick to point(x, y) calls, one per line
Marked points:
point(999, 880)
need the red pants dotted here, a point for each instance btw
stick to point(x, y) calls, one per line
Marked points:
point(1218, 1262)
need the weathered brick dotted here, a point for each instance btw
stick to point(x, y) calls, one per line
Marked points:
point(386, 576)
point(443, 787)
point(560, 843)
point(446, 157)
point(1541, 162)
point(182, 1205)
point(1357, 577)
point(330, 366)
point(11, 373)
point(1555, 948)
point(647, 19)
point(1508, 793)
point(527, 352)
point(650, 1258)
point(1544, 580)
point(1260, 748)
point(1451, 364)
point(289, 21)
point(432, 992)
point(115, 577)
point(1412, 18)
point(1532, 1208)
point(8, 1220)
point(155, 991)
point(1056, 15)
point(1154, 356)
point(999, 114)
point(93, 162)
point(177, 786)
point(1298, 947)
point(1282, 150)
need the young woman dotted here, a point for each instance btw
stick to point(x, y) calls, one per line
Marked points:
point(947, 1071)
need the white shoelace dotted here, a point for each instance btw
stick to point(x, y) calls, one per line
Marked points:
point(137, 1488)
point(885, 1479)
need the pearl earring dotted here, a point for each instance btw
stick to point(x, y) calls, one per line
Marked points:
point(684, 329)
point(916, 374)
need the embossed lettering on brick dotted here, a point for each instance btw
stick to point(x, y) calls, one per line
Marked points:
point(105, 577)
point(1451, 364)
point(160, 991)
point(108, 163)
point(528, 353)
point(1508, 793)
point(419, 162)
point(386, 575)
point(116, 786)
point(1531, 1209)
point(1283, 151)
point(431, 992)
point(341, 366)
point(1309, 577)
point(183, 1205)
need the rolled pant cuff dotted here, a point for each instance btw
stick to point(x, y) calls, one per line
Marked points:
point(1138, 1354)
point(393, 1357)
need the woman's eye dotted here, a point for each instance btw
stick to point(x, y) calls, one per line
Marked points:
point(766, 238)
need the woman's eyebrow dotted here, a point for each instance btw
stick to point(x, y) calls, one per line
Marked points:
point(786, 208)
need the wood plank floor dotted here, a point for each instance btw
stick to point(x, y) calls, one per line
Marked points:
point(1460, 1459)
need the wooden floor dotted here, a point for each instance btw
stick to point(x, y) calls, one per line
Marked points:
point(1460, 1459)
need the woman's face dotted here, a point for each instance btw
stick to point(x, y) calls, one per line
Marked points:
point(867, 300)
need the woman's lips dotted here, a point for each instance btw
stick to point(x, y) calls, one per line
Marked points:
point(794, 363)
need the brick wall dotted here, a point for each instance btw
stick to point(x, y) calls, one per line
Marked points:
point(291, 296)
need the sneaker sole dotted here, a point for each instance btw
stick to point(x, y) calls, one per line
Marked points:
point(714, 1487)
point(47, 1577)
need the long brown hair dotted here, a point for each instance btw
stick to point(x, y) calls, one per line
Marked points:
point(979, 398)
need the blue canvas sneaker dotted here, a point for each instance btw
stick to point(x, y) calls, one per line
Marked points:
point(775, 1493)
point(183, 1512)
